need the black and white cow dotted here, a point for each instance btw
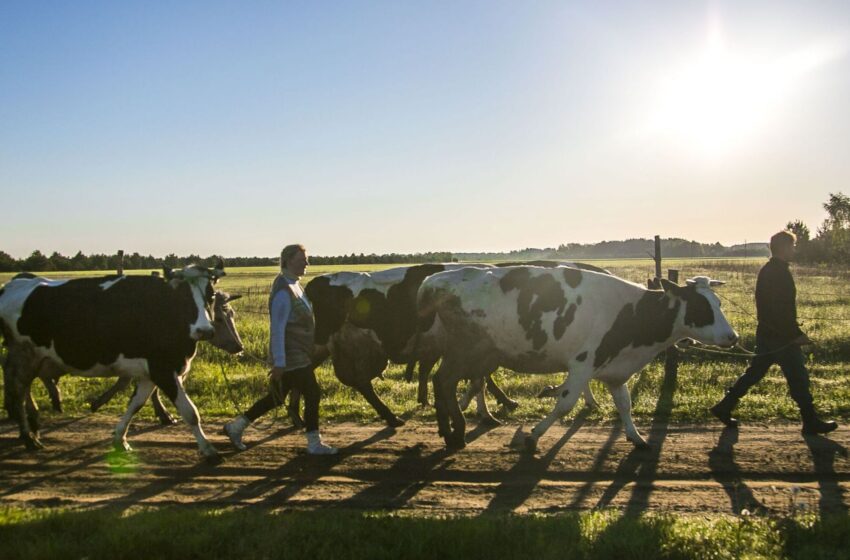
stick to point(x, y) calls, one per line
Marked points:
point(144, 328)
point(537, 320)
point(365, 320)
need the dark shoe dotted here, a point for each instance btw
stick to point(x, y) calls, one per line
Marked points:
point(814, 427)
point(724, 413)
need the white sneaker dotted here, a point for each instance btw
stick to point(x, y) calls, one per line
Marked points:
point(315, 445)
point(234, 429)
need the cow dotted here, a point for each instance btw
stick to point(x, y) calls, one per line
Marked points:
point(145, 328)
point(538, 320)
point(364, 320)
point(226, 338)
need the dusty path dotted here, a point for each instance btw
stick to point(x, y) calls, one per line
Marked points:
point(688, 469)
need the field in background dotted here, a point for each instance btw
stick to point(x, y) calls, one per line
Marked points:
point(824, 309)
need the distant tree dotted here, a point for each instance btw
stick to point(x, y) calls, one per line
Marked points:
point(36, 262)
point(8, 263)
point(801, 230)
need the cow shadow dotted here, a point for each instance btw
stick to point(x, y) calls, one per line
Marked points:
point(520, 481)
point(400, 483)
point(824, 452)
point(641, 465)
point(78, 452)
point(724, 469)
point(280, 486)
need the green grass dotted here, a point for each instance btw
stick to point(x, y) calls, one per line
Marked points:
point(187, 533)
point(824, 305)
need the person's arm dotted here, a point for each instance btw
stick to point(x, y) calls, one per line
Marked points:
point(280, 309)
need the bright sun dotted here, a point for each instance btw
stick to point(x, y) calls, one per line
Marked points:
point(721, 100)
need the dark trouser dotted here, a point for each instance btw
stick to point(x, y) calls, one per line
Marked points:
point(303, 379)
point(790, 358)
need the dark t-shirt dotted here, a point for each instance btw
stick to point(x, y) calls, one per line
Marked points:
point(776, 303)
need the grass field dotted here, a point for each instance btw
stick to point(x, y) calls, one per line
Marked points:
point(240, 533)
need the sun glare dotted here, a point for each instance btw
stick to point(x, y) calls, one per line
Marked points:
point(722, 99)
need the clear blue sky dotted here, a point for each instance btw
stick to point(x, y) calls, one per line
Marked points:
point(237, 127)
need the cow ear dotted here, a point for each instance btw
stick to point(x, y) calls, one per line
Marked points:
point(671, 287)
point(716, 283)
point(653, 283)
point(167, 272)
point(219, 264)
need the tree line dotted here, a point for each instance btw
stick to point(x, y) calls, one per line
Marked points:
point(39, 262)
point(831, 242)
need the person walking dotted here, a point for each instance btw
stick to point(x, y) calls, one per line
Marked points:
point(291, 341)
point(778, 340)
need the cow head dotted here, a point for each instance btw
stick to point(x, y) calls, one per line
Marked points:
point(199, 281)
point(225, 335)
point(703, 320)
point(356, 354)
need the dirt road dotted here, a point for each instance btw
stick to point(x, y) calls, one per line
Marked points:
point(691, 469)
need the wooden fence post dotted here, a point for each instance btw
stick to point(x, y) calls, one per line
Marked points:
point(120, 262)
point(657, 256)
point(671, 358)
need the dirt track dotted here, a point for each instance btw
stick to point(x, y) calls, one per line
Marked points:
point(689, 469)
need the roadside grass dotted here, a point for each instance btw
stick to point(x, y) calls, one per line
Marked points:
point(195, 532)
point(824, 308)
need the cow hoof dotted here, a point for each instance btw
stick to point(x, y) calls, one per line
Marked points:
point(510, 405)
point(455, 442)
point(395, 422)
point(167, 420)
point(639, 442)
point(32, 442)
point(213, 459)
point(297, 421)
point(122, 446)
point(490, 421)
point(530, 444)
point(548, 391)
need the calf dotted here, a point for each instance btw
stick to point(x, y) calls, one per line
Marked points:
point(537, 320)
point(145, 328)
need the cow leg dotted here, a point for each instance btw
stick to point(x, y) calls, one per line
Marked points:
point(163, 415)
point(32, 413)
point(481, 403)
point(589, 399)
point(144, 388)
point(408, 371)
point(425, 367)
point(174, 390)
point(623, 402)
point(441, 401)
point(52, 387)
point(368, 391)
point(570, 391)
point(106, 396)
point(293, 408)
point(507, 402)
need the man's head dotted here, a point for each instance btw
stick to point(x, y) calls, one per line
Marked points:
point(782, 245)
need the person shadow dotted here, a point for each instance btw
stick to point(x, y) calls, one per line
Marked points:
point(724, 469)
point(824, 452)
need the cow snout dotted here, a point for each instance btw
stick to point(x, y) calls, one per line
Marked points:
point(732, 339)
point(204, 333)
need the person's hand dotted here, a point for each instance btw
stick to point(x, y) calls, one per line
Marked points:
point(804, 340)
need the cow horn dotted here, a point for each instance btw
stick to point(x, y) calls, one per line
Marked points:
point(233, 297)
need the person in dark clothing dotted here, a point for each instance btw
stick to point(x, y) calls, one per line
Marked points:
point(778, 340)
point(291, 342)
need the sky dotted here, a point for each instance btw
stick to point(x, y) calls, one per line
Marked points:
point(235, 128)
